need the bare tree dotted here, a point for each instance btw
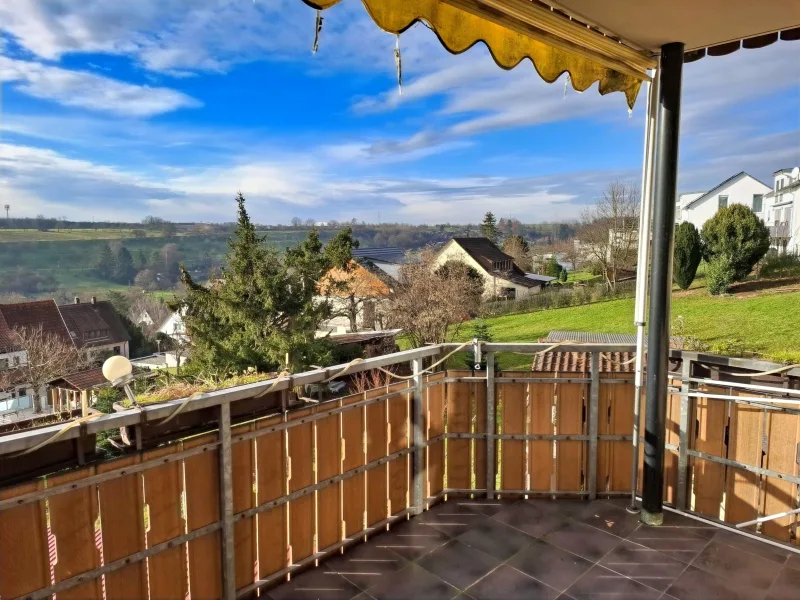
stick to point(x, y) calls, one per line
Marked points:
point(351, 290)
point(47, 357)
point(518, 248)
point(609, 230)
point(429, 304)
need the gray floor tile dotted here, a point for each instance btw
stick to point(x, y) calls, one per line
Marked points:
point(752, 546)
point(737, 566)
point(535, 519)
point(411, 539)
point(611, 519)
point(786, 586)
point(497, 539)
point(483, 506)
point(458, 564)
point(413, 582)
point(644, 565)
point(794, 561)
point(450, 518)
point(675, 542)
point(315, 584)
point(601, 584)
point(583, 540)
point(506, 583)
point(689, 525)
point(556, 567)
point(697, 584)
point(365, 565)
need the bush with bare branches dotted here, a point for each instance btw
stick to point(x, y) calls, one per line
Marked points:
point(429, 303)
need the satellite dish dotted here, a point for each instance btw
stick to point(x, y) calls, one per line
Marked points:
point(795, 172)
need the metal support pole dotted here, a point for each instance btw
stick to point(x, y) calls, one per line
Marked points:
point(683, 433)
point(491, 431)
point(226, 503)
point(666, 179)
point(642, 271)
point(418, 488)
point(594, 401)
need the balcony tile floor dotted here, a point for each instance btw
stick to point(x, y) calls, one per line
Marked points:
point(542, 549)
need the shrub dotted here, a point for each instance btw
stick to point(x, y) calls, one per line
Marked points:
point(739, 236)
point(733, 347)
point(780, 265)
point(719, 276)
point(688, 252)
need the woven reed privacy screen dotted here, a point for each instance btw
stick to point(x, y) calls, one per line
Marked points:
point(517, 29)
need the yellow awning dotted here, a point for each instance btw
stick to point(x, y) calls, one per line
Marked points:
point(517, 29)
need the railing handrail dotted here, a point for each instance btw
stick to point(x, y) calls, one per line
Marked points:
point(24, 440)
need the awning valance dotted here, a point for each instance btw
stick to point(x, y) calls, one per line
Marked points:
point(517, 29)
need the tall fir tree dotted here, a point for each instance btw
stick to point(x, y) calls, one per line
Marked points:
point(489, 227)
point(106, 264)
point(123, 266)
point(262, 309)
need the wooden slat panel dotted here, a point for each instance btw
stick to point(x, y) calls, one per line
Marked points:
point(512, 402)
point(434, 410)
point(459, 400)
point(244, 533)
point(616, 418)
point(376, 421)
point(708, 477)
point(301, 511)
point(353, 491)
point(202, 508)
point(162, 494)
point(672, 436)
point(783, 433)
point(398, 408)
point(328, 463)
point(744, 445)
point(542, 399)
point(24, 559)
point(122, 522)
point(271, 480)
point(479, 447)
point(570, 456)
point(72, 522)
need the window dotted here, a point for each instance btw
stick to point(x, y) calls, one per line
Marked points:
point(787, 215)
point(758, 202)
point(17, 360)
point(116, 350)
point(3, 364)
point(723, 202)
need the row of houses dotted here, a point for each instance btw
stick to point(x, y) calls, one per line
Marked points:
point(776, 205)
point(92, 327)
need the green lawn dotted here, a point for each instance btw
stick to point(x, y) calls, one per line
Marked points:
point(65, 235)
point(768, 324)
point(582, 277)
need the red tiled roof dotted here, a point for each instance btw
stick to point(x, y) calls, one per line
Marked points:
point(88, 317)
point(29, 315)
point(579, 362)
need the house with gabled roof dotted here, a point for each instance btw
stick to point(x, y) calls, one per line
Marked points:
point(96, 326)
point(699, 207)
point(502, 277)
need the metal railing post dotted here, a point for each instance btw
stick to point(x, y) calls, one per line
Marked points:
point(594, 401)
point(226, 502)
point(683, 432)
point(491, 429)
point(418, 424)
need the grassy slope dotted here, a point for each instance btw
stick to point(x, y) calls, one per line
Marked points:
point(769, 323)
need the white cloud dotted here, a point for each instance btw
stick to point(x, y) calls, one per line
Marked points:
point(89, 90)
point(179, 37)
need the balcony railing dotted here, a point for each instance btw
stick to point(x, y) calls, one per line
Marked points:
point(231, 492)
point(780, 230)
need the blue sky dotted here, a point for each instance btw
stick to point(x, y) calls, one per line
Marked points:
point(117, 110)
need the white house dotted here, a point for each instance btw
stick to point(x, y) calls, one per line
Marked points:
point(502, 277)
point(781, 210)
point(175, 327)
point(699, 207)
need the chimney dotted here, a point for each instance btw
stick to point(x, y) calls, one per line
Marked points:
point(77, 300)
point(94, 300)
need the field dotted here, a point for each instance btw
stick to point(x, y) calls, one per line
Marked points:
point(63, 235)
point(767, 323)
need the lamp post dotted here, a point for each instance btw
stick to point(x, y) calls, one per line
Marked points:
point(118, 370)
